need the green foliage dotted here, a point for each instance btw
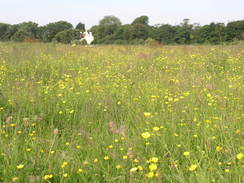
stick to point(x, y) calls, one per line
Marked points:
point(51, 29)
point(111, 31)
point(67, 36)
point(110, 20)
point(80, 26)
point(141, 20)
point(26, 31)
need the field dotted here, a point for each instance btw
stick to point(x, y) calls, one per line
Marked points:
point(121, 114)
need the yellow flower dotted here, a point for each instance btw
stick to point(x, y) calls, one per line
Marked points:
point(14, 179)
point(154, 159)
point(218, 148)
point(48, 176)
point(118, 166)
point(65, 163)
point(146, 135)
point(110, 146)
point(95, 160)
point(135, 160)
point(106, 158)
point(153, 167)
point(193, 167)
point(147, 114)
point(239, 156)
point(186, 153)
point(150, 174)
point(156, 128)
point(227, 170)
point(140, 168)
point(80, 170)
point(20, 166)
point(65, 175)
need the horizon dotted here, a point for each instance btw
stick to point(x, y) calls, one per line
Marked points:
point(159, 12)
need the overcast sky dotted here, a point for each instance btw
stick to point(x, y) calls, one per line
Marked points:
point(91, 11)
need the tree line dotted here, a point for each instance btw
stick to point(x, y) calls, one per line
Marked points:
point(110, 30)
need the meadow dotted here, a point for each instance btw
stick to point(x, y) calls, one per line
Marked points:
point(121, 114)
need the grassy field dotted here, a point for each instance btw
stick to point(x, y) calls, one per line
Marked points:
point(121, 114)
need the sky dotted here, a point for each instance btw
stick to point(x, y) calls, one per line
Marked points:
point(91, 11)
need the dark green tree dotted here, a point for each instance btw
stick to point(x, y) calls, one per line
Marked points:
point(235, 30)
point(25, 31)
point(80, 26)
point(110, 20)
point(141, 20)
point(51, 29)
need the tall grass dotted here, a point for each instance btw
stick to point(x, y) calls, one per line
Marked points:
point(121, 113)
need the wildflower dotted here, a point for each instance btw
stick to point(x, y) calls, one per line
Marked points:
point(153, 167)
point(125, 157)
point(154, 159)
point(227, 170)
point(48, 176)
point(116, 140)
point(118, 166)
point(156, 128)
point(146, 135)
point(140, 168)
point(147, 114)
point(239, 156)
point(110, 146)
point(14, 179)
point(64, 164)
point(186, 153)
point(78, 147)
point(218, 148)
point(20, 166)
point(95, 160)
point(135, 160)
point(134, 169)
point(106, 158)
point(193, 167)
point(150, 175)
point(65, 175)
point(80, 170)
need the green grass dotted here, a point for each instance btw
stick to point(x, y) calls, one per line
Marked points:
point(76, 114)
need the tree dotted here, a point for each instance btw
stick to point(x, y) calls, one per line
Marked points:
point(67, 36)
point(183, 33)
point(163, 33)
point(235, 30)
point(25, 31)
point(11, 30)
point(3, 29)
point(141, 20)
point(80, 26)
point(51, 29)
point(104, 32)
point(110, 20)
